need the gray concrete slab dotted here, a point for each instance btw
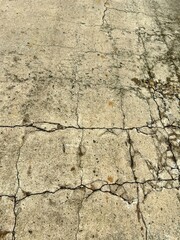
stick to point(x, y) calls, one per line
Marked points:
point(89, 120)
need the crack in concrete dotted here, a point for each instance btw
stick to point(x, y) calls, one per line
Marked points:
point(155, 6)
point(86, 187)
point(104, 12)
point(131, 154)
point(155, 180)
point(77, 106)
point(150, 73)
point(81, 152)
point(18, 187)
point(140, 214)
point(100, 188)
point(60, 127)
point(79, 218)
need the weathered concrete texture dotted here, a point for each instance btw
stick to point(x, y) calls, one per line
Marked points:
point(89, 120)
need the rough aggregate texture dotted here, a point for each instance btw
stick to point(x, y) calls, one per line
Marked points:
point(89, 120)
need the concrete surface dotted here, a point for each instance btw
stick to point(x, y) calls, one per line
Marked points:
point(89, 120)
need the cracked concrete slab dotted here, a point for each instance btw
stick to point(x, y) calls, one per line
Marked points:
point(89, 120)
point(49, 161)
point(106, 157)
